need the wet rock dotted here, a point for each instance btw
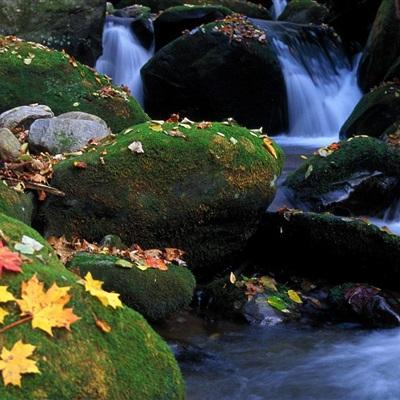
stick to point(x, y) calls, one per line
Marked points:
point(304, 12)
point(328, 247)
point(65, 134)
point(257, 311)
point(24, 116)
point(9, 145)
point(20, 206)
point(360, 177)
point(385, 34)
point(375, 112)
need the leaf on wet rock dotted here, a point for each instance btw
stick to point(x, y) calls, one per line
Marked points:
point(277, 303)
point(9, 260)
point(94, 287)
point(46, 307)
point(309, 171)
point(136, 147)
point(232, 278)
point(294, 296)
point(267, 142)
point(28, 245)
point(268, 283)
point(15, 362)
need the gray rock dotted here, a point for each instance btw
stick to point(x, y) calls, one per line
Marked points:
point(79, 115)
point(9, 145)
point(24, 116)
point(258, 311)
point(62, 135)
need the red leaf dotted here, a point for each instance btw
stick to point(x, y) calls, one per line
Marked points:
point(9, 260)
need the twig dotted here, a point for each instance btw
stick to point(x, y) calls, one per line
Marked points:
point(37, 186)
point(16, 323)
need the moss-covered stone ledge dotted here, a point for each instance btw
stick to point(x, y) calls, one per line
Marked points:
point(31, 73)
point(130, 362)
point(16, 205)
point(153, 293)
point(203, 193)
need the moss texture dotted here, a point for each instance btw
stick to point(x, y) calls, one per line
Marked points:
point(16, 205)
point(203, 194)
point(385, 34)
point(52, 79)
point(154, 294)
point(239, 6)
point(374, 113)
point(131, 362)
point(304, 12)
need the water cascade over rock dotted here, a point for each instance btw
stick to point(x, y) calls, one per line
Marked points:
point(123, 55)
point(321, 82)
point(277, 7)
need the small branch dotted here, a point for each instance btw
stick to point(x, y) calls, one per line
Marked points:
point(16, 323)
point(37, 186)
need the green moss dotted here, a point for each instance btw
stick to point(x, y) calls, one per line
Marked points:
point(203, 194)
point(16, 205)
point(53, 80)
point(130, 362)
point(155, 294)
point(358, 154)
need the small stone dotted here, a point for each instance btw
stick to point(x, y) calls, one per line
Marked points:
point(24, 116)
point(9, 145)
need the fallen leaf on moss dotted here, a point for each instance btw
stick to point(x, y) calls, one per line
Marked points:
point(28, 245)
point(267, 142)
point(294, 296)
point(9, 260)
point(136, 147)
point(123, 263)
point(15, 362)
point(103, 326)
point(46, 307)
point(309, 171)
point(204, 125)
point(94, 287)
point(80, 165)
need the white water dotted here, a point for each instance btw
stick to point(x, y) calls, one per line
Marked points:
point(123, 55)
point(277, 7)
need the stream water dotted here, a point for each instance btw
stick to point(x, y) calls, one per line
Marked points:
point(277, 7)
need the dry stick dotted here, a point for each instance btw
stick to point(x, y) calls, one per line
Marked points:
point(37, 186)
point(16, 323)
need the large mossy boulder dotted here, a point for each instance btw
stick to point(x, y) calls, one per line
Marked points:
point(375, 112)
point(130, 362)
point(203, 193)
point(209, 75)
point(325, 246)
point(72, 25)
point(304, 12)
point(239, 6)
point(383, 46)
point(31, 73)
point(16, 205)
point(170, 24)
point(153, 293)
point(361, 177)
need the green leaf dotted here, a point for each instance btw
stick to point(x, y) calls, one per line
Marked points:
point(278, 303)
point(123, 263)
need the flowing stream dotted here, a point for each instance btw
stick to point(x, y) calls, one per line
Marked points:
point(277, 7)
point(123, 55)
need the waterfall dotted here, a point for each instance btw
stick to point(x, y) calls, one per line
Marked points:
point(123, 55)
point(277, 7)
point(321, 82)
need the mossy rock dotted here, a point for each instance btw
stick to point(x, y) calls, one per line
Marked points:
point(304, 12)
point(51, 78)
point(203, 193)
point(328, 247)
point(375, 112)
point(153, 293)
point(130, 362)
point(72, 25)
point(170, 24)
point(361, 178)
point(385, 34)
point(201, 75)
point(16, 205)
point(239, 6)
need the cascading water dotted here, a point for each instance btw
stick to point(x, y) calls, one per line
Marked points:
point(321, 82)
point(123, 55)
point(277, 7)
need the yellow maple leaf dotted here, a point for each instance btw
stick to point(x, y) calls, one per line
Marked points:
point(15, 362)
point(294, 296)
point(94, 287)
point(46, 308)
point(5, 295)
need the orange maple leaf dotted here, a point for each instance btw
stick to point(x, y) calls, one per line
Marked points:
point(9, 260)
point(46, 307)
